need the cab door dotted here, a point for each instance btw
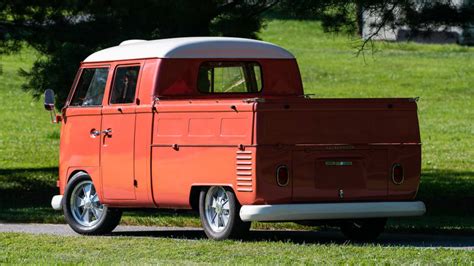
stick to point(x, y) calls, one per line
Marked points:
point(118, 135)
point(80, 135)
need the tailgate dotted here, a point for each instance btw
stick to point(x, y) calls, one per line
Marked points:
point(341, 149)
point(344, 121)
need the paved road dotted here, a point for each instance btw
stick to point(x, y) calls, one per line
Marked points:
point(386, 239)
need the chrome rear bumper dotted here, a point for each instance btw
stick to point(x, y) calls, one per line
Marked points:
point(325, 211)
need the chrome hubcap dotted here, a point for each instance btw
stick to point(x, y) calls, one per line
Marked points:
point(85, 205)
point(217, 208)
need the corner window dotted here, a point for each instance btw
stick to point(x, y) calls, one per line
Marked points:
point(230, 77)
point(125, 84)
point(90, 88)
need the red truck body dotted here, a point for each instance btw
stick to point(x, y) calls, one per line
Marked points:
point(270, 146)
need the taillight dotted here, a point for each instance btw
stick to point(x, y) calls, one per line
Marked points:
point(397, 174)
point(282, 175)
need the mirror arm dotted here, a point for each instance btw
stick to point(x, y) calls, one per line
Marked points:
point(55, 118)
point(52, 113)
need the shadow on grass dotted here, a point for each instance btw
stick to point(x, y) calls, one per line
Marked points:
point(28, 187)
point(315, 237)
point(447, 192)
point(25, 196)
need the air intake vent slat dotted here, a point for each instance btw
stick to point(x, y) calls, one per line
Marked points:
point(244, 171)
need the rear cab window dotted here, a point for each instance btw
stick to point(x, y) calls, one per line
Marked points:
point(229, 77)
point(90, 87)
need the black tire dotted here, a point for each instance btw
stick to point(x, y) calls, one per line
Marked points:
point(109, 219)
point(363, 229)
point(235, 228)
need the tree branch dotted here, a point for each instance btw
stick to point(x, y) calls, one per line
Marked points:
point(382, 24)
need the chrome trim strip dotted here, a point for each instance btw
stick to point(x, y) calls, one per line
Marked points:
point(343, 146)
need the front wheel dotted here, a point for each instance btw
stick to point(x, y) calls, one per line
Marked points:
point(219, 212)
point(363, 229)
point(82, 208)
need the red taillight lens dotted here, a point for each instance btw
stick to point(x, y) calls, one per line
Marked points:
point(397, 174)
point(282, 175)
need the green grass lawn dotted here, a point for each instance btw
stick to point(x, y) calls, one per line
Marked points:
point(442, 75)
point(34, 249)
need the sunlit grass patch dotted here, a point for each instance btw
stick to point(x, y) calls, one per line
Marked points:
point(40, 249)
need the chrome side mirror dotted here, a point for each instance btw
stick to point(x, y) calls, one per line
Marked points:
point(49, 100)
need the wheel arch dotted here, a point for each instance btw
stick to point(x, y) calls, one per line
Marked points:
point(73, 173)
point(196, 189)
point(92, 172)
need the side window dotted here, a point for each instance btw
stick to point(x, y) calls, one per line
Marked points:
point(90, 88)
point(230, 77)
point(125, 84)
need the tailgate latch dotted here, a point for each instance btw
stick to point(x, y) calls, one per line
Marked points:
point(341, 193)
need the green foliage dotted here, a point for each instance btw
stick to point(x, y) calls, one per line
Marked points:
point(66, 32)
point(335, 15)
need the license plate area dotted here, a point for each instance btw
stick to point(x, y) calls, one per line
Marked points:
point(340, 175)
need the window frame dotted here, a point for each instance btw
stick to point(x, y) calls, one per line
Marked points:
point(112, 83)
point(230, 62)
point(76, 83)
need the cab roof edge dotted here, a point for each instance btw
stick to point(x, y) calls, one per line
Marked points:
point(131, 41)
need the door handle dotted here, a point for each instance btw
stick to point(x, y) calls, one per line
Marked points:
point(94, 133)
point(107, 132)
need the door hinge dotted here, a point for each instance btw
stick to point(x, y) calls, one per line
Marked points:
point(135, 183)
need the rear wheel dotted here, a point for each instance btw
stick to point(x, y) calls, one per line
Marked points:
point(363, 229)
point(219, 211)
point(82, 208)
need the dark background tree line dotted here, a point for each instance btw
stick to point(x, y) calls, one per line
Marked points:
point(65, 32)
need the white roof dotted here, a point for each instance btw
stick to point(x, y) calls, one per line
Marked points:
point(191, 47)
